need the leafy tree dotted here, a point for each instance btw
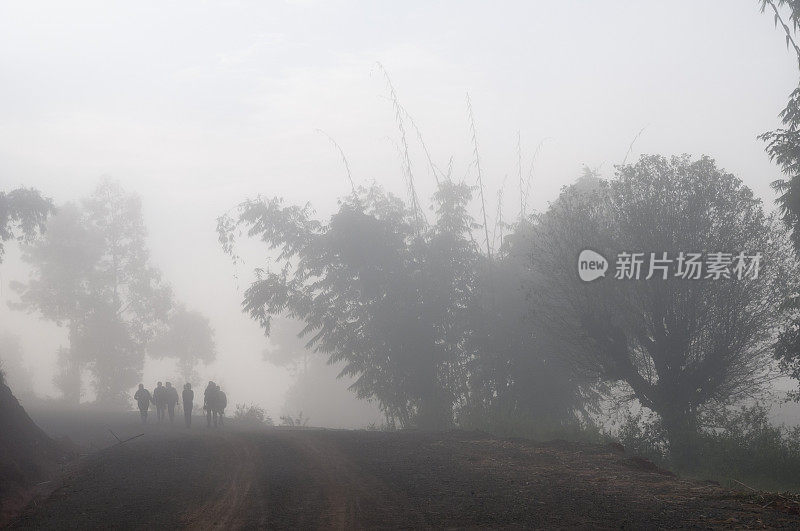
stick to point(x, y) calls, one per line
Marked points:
point(68, 376)
point(188, 338)
point(678, 345)
point(23, 214)
point(783, 147)
point(427, 323)
point(375, 290)
point(91, 274)
point(518, 382)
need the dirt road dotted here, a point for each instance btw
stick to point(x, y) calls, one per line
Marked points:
point(355, 479)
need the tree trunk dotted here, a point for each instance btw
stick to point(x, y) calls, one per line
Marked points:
point(681, 430)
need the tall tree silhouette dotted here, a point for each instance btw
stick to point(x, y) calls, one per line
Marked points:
point(91, 273)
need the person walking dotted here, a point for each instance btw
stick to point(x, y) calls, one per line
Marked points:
point(172, 401)
point(209, 402)
point(220, 403)
point(188, 404)
point(160, 400)
point(143, 399)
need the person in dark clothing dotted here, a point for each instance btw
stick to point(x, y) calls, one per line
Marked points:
point(172, 401)
point(188, 404)
point(160, 400)
point(143, 400)
point(220, 403)
point(209, 402)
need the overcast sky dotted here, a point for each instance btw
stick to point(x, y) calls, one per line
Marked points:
point(197, 105)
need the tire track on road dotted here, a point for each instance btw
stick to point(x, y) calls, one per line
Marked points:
point(230, 507)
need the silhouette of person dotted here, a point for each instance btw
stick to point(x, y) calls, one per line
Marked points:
point(172, 400)
point(220, 403)
point(209, 403)
point(143, 400)
point(160, 400)
point(188, 399)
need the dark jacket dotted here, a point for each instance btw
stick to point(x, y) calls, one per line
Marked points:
point(171, 396)
point(210, 398)
point(143, 398)
point(160, 396)
point(188, 397)
point(222, 401)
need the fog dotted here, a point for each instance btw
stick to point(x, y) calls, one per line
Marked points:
point(196, 106)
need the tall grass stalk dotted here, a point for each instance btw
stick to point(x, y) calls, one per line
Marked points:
point(476, 151)
point(344, 159)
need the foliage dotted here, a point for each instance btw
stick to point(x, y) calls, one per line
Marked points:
point(68, 376)
point(252, 414)
point(642, 434)
point(189, 338)
point(372, 292)
point(428, 324)
point(91, 273)
point(318, 393)
point(23, 215)
point(783, 148)
point(790, 28)
point(677, 344)
point(504, 420)
point(296, 422)
point(734, 444)
point(516, 379)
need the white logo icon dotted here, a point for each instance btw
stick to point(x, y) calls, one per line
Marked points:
point(591, 265)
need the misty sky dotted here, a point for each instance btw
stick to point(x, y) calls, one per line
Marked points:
point(198, 105)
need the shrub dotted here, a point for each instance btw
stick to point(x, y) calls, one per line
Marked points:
point(642, 434)
point(252, 414)
point(734, 446)
point(297, 422)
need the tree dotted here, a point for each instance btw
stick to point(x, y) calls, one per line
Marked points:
point(188, 338)
point(68, 376)
point(783, 148)
point(23, 214)
point(321, 395)
point(678, 345)
point(376, 291)
point(518, 383)
point(428, 324)
point(91, 274)
point(18, 376)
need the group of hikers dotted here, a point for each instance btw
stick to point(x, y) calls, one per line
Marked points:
point(165, 398)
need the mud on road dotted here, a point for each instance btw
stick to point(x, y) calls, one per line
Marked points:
point(353, 479)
